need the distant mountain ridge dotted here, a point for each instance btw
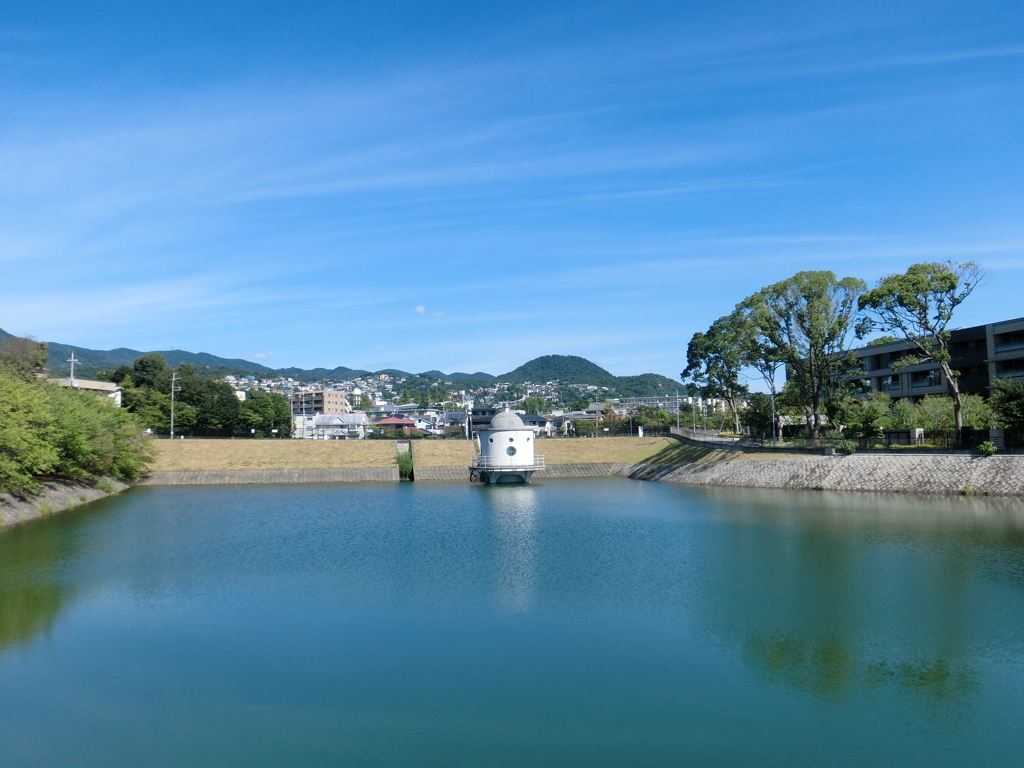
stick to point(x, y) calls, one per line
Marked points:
point(568, 369)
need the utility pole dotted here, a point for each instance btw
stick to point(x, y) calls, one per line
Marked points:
point(677, 409)
point(72, 361)
point(174, 380)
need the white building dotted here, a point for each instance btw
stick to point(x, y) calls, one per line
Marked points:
point(506, 451)
point(113, 391)
point(331, 426)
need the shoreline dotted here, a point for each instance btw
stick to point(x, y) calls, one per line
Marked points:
point(55, 496)
point(945, 474)
point(949, 474)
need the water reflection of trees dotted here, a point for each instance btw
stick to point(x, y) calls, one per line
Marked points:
point(840, 595)
point(31, 593)
point(831, 670)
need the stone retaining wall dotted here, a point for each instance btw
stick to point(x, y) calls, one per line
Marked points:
point(576, 470)
point(247, 476)
point(995, 476)
point(444, 474)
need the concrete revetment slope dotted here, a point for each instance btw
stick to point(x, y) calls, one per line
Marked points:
point(54, 496)
point(251, 476)
point(885, 473)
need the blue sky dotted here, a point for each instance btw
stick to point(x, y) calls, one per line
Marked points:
point(466, 186)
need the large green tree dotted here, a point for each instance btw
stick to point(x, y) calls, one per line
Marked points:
point(714, 362)
point(150, 369)
point(918, 306)
point(265, 412)
point(807, 322)
point(758, 352)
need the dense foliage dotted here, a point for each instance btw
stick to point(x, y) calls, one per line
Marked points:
point(1008, 405)
point(758, 414)
point(867, 416)
point(201, 404)
point(569, 369)
point(714, 361)
point(535, 405)
point(52, 431)
point(806, 324)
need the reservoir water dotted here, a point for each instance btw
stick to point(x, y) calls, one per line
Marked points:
point(567, 623)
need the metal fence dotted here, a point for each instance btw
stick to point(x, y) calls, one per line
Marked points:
point(490, 462)
point(220, 434)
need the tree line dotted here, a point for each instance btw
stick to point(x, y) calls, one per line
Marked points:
point(806, 326)
point(200, 404)
point(51, 431)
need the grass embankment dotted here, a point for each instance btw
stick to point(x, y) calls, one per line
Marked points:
point(331, 454)
point(272, 454)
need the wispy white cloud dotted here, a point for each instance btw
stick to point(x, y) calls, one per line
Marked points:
point(671, 175)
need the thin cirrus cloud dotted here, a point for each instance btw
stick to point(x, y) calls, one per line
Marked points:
point(628, 193)
point(419, 309)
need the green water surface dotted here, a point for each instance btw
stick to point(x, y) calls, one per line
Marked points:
point(568, 623)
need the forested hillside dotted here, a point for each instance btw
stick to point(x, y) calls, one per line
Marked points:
point(571, 369)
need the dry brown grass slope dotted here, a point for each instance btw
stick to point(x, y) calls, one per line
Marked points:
point(197, 454)
point(272, 454)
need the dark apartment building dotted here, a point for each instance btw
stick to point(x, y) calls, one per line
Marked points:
point(983, 355)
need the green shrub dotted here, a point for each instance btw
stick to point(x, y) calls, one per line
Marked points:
point(988, 448)
point(46, 430)
point(405, 465)
point(1008, 403)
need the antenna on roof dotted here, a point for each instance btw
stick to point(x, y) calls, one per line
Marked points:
point(73, 361)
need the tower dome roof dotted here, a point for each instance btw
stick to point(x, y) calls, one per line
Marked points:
point(507, 421)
